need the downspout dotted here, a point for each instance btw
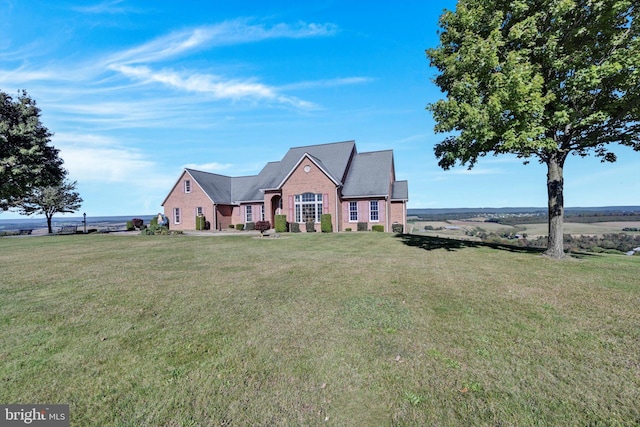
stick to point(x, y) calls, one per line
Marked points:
point(388, 210)
point(338, 202)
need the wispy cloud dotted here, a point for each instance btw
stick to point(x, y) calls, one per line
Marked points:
point(213, 85)
point(226, 33)
point(106, 7)
point(90, 157)
point(312, 84)
point(209, 167)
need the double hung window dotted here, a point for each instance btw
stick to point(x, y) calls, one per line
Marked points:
point(374, 215)
point(353, 211)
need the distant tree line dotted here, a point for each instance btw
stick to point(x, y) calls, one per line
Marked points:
point(611, 243)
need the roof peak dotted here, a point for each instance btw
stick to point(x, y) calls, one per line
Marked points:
point(327, 143)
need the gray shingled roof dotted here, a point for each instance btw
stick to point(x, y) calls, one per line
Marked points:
point(400, 190)
point(368, 174)
point(217, 187)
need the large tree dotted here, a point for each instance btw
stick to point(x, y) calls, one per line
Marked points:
point(27, 159)
point(52, 199)
point(539, 79)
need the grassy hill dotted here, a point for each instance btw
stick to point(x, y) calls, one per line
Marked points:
point(310, 329)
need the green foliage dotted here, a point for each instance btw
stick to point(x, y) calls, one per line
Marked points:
point(159, 230)
point(59, 198)
point(281, 223)
point(130, 226)
point(325, 223)
point(540, 79)
point(27, 160)
point(153, 221)
point(348, 229)
point(200, 222)
point(379, 228)
point(363, 226)
point(240, 227)
point(250, 225)
point(310, 227)
point(294, 227)
point(232, 226)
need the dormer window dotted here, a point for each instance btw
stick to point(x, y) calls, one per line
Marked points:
point(187, 186)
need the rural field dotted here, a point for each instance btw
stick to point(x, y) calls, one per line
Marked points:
point(317, 329)
point(457, 228)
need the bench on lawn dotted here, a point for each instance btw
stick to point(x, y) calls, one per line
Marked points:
point(68, 229)
point(24, 232)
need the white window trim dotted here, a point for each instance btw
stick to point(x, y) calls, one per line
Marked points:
point(248, 211)
point(298, 203)
point(201, 208)
point(377, 202)
point(187, 186)
point(177, 216)
point(356, 212)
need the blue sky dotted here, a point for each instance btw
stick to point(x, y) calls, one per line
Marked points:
point(137, 90)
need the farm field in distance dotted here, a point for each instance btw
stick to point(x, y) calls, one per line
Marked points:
point(448, 228)
point(357, 328)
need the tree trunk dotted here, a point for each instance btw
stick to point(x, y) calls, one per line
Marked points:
point(49, 223)
point(555, 181)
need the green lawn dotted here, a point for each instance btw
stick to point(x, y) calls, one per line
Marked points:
point(317, 329)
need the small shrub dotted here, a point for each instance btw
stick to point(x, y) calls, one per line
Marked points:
point(379, 228)
point(240, 227)
point(130, 226)
point(154, 221)
point(325, 223)
point(363, 226)
point(137, 223)
point(397, 228)
point(310, 226)
point(347, 229)
point(232, 226)
point(200, 222)
point(263, 226)
point(295, 227)
point(281, 223)
point(159, 230)
point(250, 225)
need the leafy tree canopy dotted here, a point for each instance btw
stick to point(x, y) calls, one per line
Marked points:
point(49, 200)
point(27, 160)
point(538, 78)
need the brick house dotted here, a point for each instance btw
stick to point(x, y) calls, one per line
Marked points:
point(308, 182)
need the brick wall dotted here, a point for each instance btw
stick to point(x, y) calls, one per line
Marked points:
point(309, 178)
point(187, 202)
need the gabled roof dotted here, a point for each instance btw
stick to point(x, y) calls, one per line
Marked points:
point(359, 174)
point(369, 175)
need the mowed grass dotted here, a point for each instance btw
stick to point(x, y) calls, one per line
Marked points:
point(316, 329)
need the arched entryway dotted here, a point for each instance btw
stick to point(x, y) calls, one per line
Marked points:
point(276, 208)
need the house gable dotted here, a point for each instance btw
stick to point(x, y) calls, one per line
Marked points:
point(335, 174)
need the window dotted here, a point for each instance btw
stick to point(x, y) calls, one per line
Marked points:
point(176, 215)
point(248, 213)
point(199, 211)
point(373, 211)
point(187, 186)
point(262, 212)
point(353, 211)
point(308, 207)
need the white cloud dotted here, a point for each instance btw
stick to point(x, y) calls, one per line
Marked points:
point(209, 167)
point(226, 33)
point(211, 84)
point(95, 158)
